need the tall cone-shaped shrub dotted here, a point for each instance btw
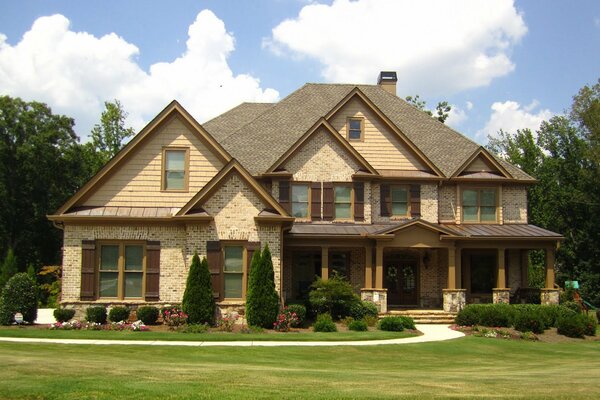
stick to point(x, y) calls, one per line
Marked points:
point(198, 302)
point(262, 301)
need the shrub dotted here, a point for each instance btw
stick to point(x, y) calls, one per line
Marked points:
point(572, 325)
point(262, 301)
point(362, 309)
point(408, 322)
point(118, 314)
point(371, 321)
point(19, 296)
point(571, 305)
point(147, 314)
point(285, 320)
point(468, 316)
point(324, 323)
point(195, 328)
point(173, 316)
point(198, 301)
point(358, 325)
point(96, 314)
point(227, 322)
point(300, 312)
point(499, 315)
point(590, 325)
point(63, 314)
point(529, 320)
point(334, 296)
point(391, 323)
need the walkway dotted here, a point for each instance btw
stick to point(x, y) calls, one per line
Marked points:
point(431, 333)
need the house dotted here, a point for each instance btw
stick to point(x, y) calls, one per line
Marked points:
point(335, 178)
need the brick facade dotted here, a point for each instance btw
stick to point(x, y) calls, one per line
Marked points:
point(514, 204)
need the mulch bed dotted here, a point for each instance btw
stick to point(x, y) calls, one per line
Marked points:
point(549, 336)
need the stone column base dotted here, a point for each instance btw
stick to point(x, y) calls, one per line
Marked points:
point(454, 299)
point(376, 296)
point(550, 296)
point(501, 295)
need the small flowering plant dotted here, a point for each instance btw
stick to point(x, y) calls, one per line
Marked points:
point(285, 320)
point(227, 321)
point(67, 326)
point(138, 326)
point(174, 317)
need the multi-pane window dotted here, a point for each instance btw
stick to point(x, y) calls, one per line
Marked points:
point(343, 202)
point(479, 205)
point(300, 200)
point(400, 200)
point(174, 169)
point(355, 129)
point(121, 270)
point(233, 271)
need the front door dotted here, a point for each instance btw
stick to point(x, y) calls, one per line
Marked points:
point(401, 273)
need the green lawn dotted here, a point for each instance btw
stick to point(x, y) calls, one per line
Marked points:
point(470, 367)
point(204, 337)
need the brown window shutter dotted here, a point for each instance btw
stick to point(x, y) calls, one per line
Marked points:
point(251, 247)
point(88, 270)
point(214, 258)
point(327, 201)
point(315, 201)
point(152, 270)
point(385, 201)
point(359, 201)
point(415, 201)
point(284, 195)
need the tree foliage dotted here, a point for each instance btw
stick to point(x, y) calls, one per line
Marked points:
point(442, 109)
point(41, 166)
point(198, 301)
point(19, 296)
point(564, 157)
point(262, 301)
point(109, 136)
point(8, 268)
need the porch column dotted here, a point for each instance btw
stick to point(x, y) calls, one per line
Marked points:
point(454, 297)
point(458, 267)
point(524, 268)
point(451, 268)
point(550, 295)
point(379, 266)
point(324, 262)
point(368, 267)
point(501, 294)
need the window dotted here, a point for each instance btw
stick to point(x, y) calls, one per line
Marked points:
point(479, 205)
point(400, 201)
point(300, 200)
point(174, 169)
point(343, 202)
point(355, 128)
point(233, 271)
point(121, 270)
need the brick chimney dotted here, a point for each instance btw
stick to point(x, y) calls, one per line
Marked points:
point(387, 80)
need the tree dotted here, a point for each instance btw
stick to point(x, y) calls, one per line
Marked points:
point(442, 109)
point(41, 166)
point(8, 268)
point(109, 136)
point(19, 295)
point(262, 301)
point(198, 301)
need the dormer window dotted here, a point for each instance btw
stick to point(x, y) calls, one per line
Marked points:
point(479, 205)
point(355, 128)
point(175, 161)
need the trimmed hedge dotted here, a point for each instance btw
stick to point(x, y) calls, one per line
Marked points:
point(118, 314)
point(63, 314)
point(361, 309)
point(391, 323)
point(324, 323)
point(572, 326)
point(358, 325)
point(96, 314)
point(19, 295)
point(147, 314)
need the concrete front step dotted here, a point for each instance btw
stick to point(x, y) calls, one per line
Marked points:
point(426, 316)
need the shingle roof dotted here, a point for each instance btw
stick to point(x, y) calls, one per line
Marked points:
point(257, 135)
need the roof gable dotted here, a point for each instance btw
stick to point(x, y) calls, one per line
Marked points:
point(481, 161)
point(194, 206)
point(418, 222)
point(331, 132)
point(173, 110)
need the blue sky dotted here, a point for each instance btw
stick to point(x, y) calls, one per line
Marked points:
point(502, 64)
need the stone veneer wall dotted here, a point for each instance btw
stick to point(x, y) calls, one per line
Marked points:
point(173, 269)
point(514, 204)
point(429, 204)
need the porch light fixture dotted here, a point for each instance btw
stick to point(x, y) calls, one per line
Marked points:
point(426, 258)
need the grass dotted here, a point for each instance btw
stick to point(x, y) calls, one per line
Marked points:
point(470, 367)
point(204, 337)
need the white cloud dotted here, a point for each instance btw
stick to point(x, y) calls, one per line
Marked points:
point(469, 105)
point(457, 116)
point(510, 116)
point(75, 72)
point(437, 47)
